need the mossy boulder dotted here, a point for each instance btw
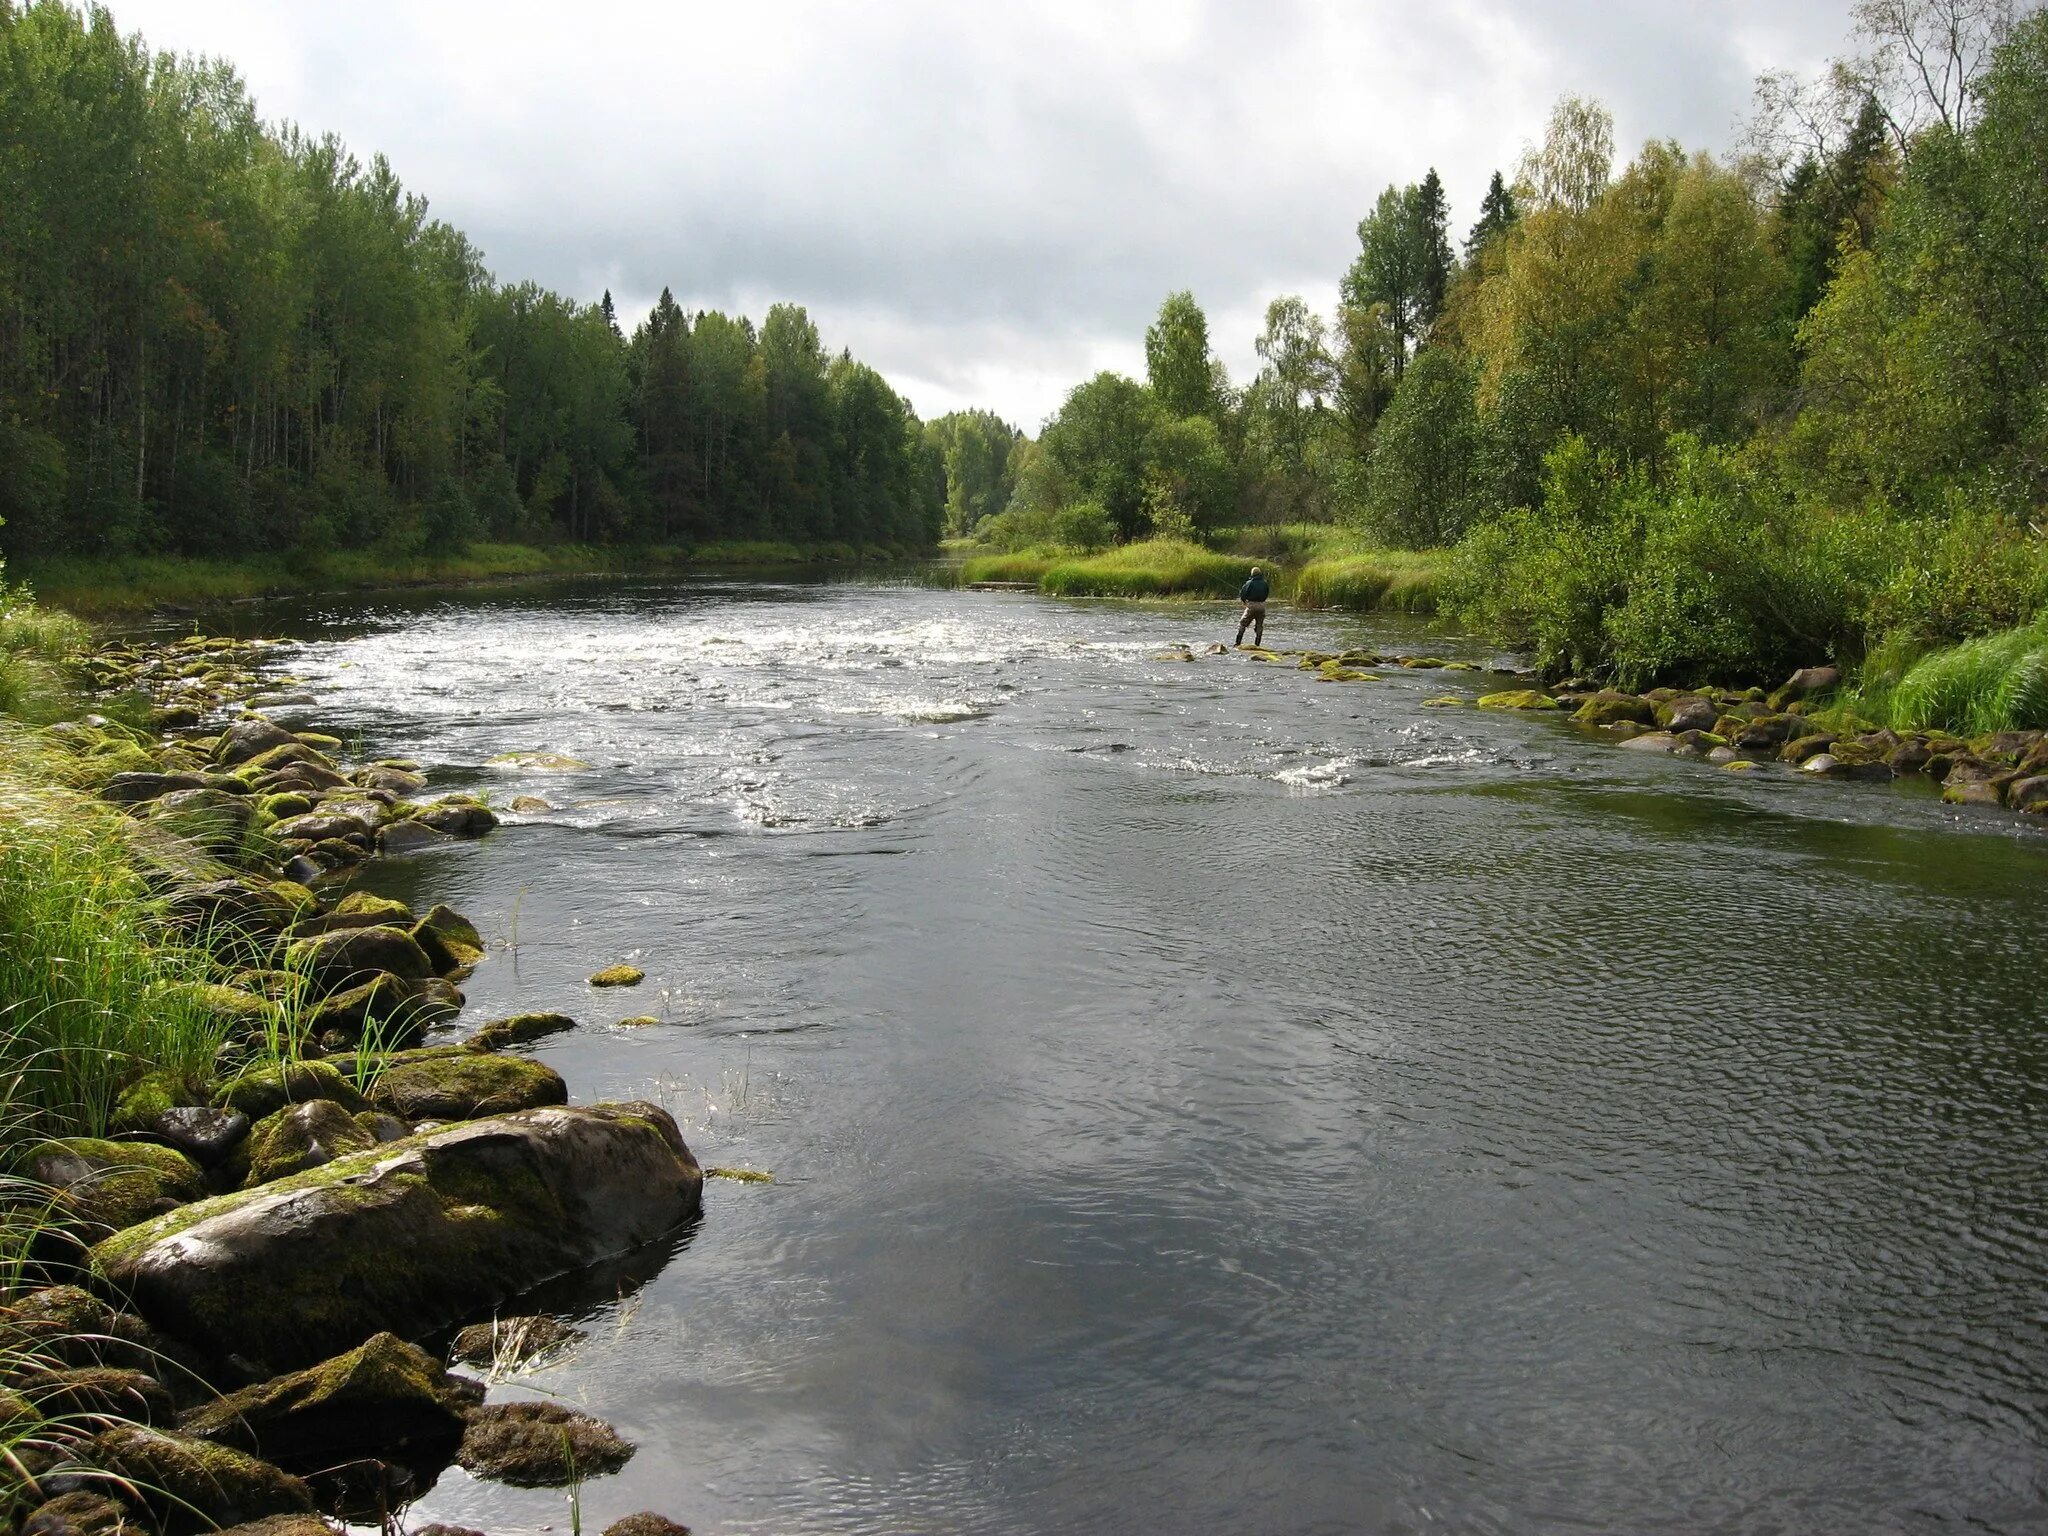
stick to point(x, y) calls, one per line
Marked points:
point(223, 909)
point(140, 788)
point(207, 1135)
point(266, 1090)
point(334, 962)
point(385, 1395)
point(408, 1237)
point(114, 1184)
point(96, 1392)
point(1805, 684)
point(518, 1029)
point(140, 1103)
point(1687, 712)
point(79, 1513)
point(302, 1136)
point(619, 976)
point(1800, 748)
point(239, 1014)
point(250, 738)
point(539, 1445)
point(2028, 794)
point(1518, 698)
point(284, 806)
point(190, 1485)
point(1608, 707)
point(458, 815)
point(374, 910)
point(457, 1083)
point(1769, 732)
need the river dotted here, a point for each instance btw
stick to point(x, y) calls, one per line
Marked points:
point(1201, 1097)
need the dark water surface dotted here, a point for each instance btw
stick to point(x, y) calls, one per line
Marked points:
point(1202, 1098)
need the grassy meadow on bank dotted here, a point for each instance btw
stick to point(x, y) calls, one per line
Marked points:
point(1312, 565)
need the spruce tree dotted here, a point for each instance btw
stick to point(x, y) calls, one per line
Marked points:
point(1497, 215)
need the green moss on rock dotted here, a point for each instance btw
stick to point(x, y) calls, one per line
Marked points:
point(536, 1445)
point(384, 1396)
point(1518, 698)
point(263, 1092)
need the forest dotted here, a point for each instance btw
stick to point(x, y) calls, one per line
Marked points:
point(217, 336)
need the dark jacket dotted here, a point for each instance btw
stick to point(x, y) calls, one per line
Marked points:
point(1254, 591)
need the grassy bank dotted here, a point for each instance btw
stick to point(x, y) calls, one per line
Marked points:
point(1316, 566)
point(138, 583)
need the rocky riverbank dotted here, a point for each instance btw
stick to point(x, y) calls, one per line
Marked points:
point(1795, 727)
point(242, 1302)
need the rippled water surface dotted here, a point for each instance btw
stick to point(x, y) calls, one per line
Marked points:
point(1203, 1098)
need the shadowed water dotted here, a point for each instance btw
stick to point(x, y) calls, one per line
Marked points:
point(1202, 1097)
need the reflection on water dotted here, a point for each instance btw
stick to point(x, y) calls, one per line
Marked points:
point(1203, 1096)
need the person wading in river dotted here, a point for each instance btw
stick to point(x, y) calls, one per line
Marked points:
point(1253, 595)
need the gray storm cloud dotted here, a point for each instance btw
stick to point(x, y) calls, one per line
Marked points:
point(987, 203)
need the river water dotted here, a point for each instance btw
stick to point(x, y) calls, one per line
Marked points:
point(1204, 1098)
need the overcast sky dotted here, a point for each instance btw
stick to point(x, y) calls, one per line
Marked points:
point(986, 202)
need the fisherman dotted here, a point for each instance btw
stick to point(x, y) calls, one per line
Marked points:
point(1253, 595)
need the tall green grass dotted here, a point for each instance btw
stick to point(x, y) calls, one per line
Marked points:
point(1154, 568)
point(1023, 565)
point(88, 994)
point(1993, 683)
point(1402, 579)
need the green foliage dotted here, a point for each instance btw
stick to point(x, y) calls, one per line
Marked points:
point(1992, 683)
point(1178, 364)
point(1426, 482)
point(1097, 445)
point(980, 453)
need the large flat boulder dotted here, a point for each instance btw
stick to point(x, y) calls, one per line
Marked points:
point(408, 1237)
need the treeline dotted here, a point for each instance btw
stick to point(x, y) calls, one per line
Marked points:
point(1700, 416)
point(217, 336)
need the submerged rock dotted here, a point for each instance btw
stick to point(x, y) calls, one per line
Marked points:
point(405, 837)
point(509, 1342)
point(407, 1237)
point(538, 1445)
point(646, 1523)
point(518, 1029)
point(386, 1395)
point(1518, 698)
